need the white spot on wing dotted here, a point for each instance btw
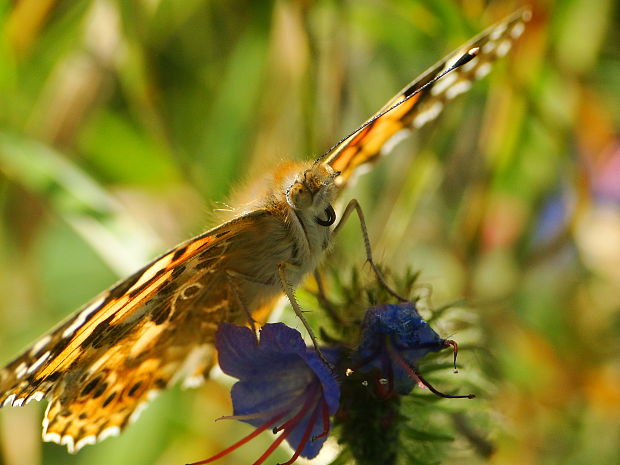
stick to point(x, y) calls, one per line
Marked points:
point(19, 402)
point(360, 170)
point(137, 412)
point(150, 395)
point(193, 382)
point(443, 83)
point(470, 64)
point(517, 30)
point(37, 396)
point(21, 370)
point(428, 115)
point(497, 32)
point(81, 318)
point(394, 141)
point(85, 441)
point(40, 344)
point(483, 70)
point(488, 47)
point(457, 89)
point(503, 48)
point(38, 363)
point(109, 432)
point(9, 400)
point(68, 441)
point(46, 420)
point(51, 437)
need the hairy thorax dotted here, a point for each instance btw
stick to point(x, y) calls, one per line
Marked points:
point(291, 215)
point(306, 196)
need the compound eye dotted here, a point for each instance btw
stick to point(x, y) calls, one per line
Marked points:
point(299, 196)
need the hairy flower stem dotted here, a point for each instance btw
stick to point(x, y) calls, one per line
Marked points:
point(369, 425)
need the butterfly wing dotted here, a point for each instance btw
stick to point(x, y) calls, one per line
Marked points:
point(99, 366)
point(367, 145)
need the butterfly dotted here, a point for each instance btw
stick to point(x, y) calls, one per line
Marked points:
point(100, 366)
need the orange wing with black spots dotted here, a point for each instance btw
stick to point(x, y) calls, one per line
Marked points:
point(367, 145)
point(102, 364)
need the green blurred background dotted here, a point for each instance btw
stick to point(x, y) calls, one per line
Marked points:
point(124, 124)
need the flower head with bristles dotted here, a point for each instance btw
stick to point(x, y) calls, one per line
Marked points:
point(394, 339)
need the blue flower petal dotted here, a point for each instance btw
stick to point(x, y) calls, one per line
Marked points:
point(408, 334)
point(278, 375)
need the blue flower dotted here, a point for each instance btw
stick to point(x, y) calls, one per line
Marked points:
point(283, 386)
point(394, 338)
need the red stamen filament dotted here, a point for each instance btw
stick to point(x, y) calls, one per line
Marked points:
point(325, 416)
point(418, 378)
point(304, 438)
point(274, 445)
point(455, 346)
point(241, 442)
point(310, 399)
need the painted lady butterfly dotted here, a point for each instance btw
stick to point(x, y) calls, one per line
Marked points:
point(99, 367)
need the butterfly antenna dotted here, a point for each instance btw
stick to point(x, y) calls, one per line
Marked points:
point(465, 58)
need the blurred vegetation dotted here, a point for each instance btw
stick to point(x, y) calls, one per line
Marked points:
point(123, 124)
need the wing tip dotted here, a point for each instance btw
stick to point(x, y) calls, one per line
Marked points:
point(12, 400)
point(75, 444)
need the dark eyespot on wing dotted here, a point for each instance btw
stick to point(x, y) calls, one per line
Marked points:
point(160, 383)
point(178, 271)
point(134, 389)
point(53, 376)
point(100, 390)
point(178, 253)
point(168, 288)
point(121, 289)
point(104, 334)
point(146, 283)
point(108, 399)
point(90, 386)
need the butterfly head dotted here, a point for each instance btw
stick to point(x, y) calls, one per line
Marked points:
point(312, 191)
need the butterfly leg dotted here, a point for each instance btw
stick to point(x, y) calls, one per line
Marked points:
point(352, 206)
point(288, 290)
point(231, 276)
